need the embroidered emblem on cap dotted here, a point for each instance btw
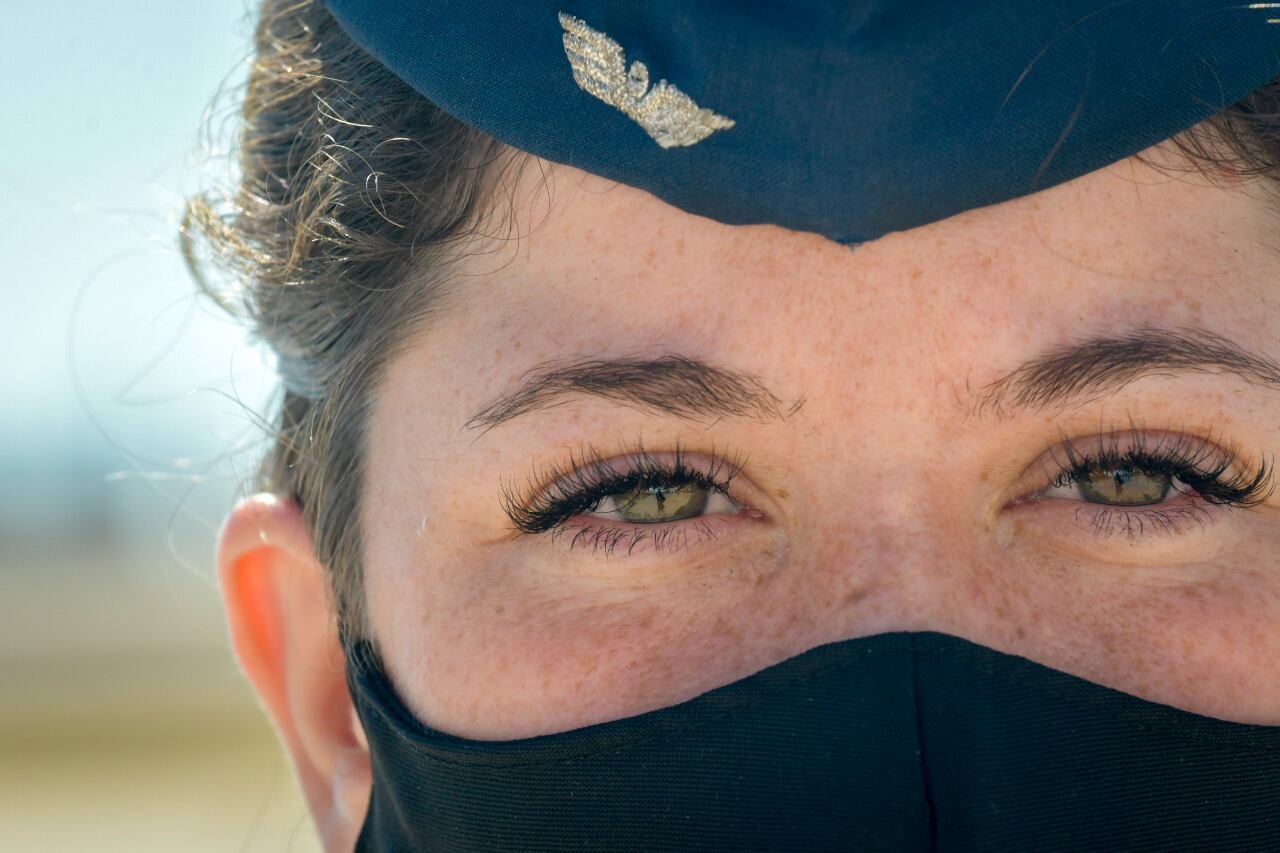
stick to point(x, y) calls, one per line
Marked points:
point(668, 115)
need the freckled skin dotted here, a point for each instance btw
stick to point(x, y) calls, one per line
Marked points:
point(884, 507)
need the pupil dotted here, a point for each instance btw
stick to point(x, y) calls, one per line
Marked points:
point(656, 503)
point(1124, 486)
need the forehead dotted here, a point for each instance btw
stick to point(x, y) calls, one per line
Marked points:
point(602, 268)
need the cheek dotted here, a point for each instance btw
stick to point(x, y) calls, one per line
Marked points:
point(507, 648)
point(539, 641)
point(1198, 636)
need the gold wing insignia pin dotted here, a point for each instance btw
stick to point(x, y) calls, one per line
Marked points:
point(1266, 6)
point(668, 115)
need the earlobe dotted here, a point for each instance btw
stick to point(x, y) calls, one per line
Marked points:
point(285, 637)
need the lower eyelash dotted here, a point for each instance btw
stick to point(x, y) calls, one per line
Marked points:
point(606, 540)
point(1134, 524)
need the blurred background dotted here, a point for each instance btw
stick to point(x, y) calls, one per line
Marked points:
point(127, 425)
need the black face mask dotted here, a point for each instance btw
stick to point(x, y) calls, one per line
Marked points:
point(895, 742)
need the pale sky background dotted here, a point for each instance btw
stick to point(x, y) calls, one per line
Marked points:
point(104, 103)
point(124, 724)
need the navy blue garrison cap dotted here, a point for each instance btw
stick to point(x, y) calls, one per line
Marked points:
point(850, 119)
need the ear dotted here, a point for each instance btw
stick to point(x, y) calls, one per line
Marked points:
point(285, 636)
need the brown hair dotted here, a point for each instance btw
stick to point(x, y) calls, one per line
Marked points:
point(355, 196)
point(1239, 143)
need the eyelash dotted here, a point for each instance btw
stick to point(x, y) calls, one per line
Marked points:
point(588, 478)
point(1199, 464)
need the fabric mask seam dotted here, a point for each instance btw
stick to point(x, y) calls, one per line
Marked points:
point(929, 804)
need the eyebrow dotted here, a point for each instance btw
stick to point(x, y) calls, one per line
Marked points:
point(670, 384)
point(695, 390)
point(1101, 365)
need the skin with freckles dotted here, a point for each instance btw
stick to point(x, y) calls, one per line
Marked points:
point(884, 484)
point(884, 501)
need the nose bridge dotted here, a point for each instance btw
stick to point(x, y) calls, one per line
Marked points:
point(890, 449)
point(878, 576)
point(883, 507)
point(889, 534)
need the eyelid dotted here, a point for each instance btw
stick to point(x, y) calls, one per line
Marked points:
point(1222, 479)
point(602, 534)
point(1194, 452)
point(565, 490)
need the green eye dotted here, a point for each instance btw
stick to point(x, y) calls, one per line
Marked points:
point(1124, 486)
point(650, 504)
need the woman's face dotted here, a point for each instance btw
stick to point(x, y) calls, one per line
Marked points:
point(892, 429)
